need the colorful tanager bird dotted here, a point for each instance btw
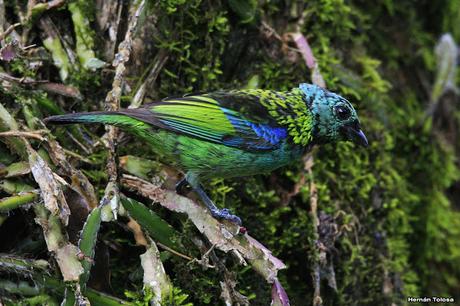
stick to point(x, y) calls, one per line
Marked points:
point(234, 133)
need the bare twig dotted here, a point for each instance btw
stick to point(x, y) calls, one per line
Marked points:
point(77, 142)
point(112, 102)
point(35, 134)
point(60, 89)
point(8, 31)
point(165, 247)
point(24, 81)
point(287, 195)
point(270, 32)
point(205, 251)
point(307, 54)
point(317, 253)
point(158, 63)
point(80, 182)
point(304, 49)
point(136, 229)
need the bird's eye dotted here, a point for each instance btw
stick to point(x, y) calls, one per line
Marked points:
point(342, 113)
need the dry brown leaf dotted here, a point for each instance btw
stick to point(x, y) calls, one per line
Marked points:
point(50, 189)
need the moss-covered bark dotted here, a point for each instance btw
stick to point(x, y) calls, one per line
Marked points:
point(389, 218)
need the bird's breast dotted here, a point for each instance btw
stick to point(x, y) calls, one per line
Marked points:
point(215, 160)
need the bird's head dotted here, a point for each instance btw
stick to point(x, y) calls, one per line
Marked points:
point(334, 118)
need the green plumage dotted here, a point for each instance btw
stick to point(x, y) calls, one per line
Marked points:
point(235, 133)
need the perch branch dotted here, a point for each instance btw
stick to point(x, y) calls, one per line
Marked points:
point(223, 236)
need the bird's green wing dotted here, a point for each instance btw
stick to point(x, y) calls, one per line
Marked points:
point(233, 119)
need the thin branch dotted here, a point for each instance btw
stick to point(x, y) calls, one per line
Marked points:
point(158, 62)
point(174, 251)
point(8, 31)
point(112, 103)
point(38, 134)
point(51, 87)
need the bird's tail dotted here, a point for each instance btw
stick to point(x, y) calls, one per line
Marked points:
point(113, 118)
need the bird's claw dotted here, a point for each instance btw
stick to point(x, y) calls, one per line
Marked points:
point(226, 215)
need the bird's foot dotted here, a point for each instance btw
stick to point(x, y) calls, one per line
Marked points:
point(226, 215)
point(217, 213)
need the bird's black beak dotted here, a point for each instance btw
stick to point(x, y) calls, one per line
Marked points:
point(356, 135)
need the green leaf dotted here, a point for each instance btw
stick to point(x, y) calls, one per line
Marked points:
point(245, 9)
point(7, 204)
point(87, 243)
point(158, 229)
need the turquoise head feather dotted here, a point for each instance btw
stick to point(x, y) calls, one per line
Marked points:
point(334, 118)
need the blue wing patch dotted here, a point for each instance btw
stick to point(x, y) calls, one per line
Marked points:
point(272, 134)
point(254, 136)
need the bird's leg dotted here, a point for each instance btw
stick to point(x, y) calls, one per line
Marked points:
point(223, 213)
